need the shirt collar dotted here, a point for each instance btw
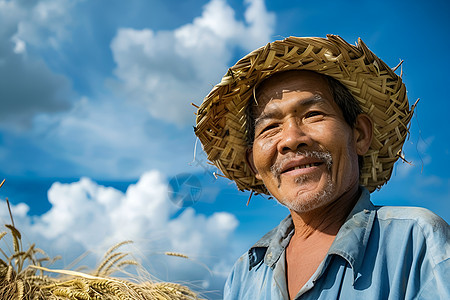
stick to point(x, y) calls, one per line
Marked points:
point(272, 244)
point(350, 242)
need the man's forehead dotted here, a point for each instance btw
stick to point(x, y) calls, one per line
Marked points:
point(274, 87)
point(289, 81)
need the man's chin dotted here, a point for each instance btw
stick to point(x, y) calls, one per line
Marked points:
point(307, 198)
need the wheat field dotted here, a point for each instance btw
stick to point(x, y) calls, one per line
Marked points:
point(26, 274)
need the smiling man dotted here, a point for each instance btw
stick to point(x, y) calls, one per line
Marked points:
point(318, 124)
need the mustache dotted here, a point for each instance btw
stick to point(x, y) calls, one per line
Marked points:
point(324, 156)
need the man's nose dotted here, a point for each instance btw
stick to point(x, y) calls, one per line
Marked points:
point(293, 137)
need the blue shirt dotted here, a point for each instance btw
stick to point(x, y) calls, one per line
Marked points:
point(378, 253)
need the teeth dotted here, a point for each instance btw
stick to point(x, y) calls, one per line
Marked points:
point(305, 166)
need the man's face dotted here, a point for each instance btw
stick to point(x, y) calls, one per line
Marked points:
point(303, 149)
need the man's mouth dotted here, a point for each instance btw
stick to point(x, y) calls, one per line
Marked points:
point(302, 160)
point(310, 165)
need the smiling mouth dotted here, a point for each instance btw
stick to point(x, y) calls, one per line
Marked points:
point(304, 166)
point(319, 158)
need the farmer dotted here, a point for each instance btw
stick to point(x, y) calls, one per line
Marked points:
point(318, 124)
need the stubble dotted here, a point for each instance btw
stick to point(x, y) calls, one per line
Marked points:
point(307, 201)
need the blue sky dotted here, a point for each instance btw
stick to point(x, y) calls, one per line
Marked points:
point(96, 119)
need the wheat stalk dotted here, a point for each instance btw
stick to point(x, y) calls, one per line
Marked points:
point(18, 278)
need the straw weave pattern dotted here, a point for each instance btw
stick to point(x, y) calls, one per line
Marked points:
point(221, 120)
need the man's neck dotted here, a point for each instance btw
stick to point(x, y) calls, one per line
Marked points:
point(327, 219)
point(314, 233)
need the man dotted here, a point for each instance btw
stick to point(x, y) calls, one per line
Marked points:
point(318, 124)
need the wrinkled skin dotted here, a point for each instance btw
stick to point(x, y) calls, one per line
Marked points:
point(296, 112)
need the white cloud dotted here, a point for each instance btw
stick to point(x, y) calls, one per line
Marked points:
point(106, 138)
point(87, 216)
point(20, 46)
point(28, 86)
point(261, 24)
point(46, 22)
point(101, 135)
point(166, 70)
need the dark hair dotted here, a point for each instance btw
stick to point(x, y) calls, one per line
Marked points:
point(342, 97)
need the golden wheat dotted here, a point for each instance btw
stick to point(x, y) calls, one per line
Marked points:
point(176, 254)
point(19, 278)
point(27, 285)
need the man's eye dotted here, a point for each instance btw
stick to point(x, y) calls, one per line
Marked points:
point(313, 114)
point(267, 128)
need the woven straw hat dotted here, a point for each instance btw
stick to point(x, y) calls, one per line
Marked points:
point(221, 121)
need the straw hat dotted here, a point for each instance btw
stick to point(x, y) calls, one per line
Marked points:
point(221, 121)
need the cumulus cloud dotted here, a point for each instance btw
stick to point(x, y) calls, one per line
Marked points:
point(106, 138)
point(87, 216)
point(100, 134)
point(166, 70)
point(41, 23)
point(28, 86)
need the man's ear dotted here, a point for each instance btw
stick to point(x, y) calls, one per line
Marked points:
point(251, 163)
point(363, 133)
